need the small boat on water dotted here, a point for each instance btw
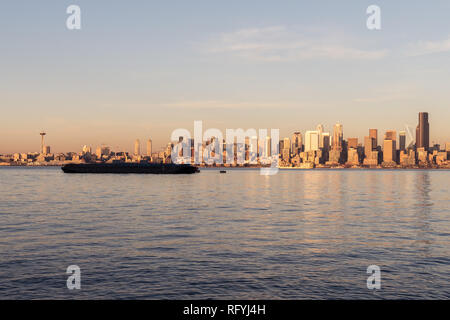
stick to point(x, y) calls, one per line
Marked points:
point(154, 168)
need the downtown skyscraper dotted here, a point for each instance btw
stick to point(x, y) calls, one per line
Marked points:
point(423, 131)
point(338, 137)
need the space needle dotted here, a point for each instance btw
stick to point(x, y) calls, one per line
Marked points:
point(42, 141)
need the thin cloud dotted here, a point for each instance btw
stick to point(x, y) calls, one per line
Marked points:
point(215, 104)
point(382, 98)
point(279, 43)
point(428, 47)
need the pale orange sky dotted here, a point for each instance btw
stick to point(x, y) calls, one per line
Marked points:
point(144, 70)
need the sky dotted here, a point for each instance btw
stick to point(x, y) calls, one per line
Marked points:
point(141, 69)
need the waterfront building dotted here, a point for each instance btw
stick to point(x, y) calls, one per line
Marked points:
point(373, 133)
point(286, 144)
point(402, 140)
point(371, 150)
point(371, 159)
point(106, 151)
point(268, 146)
point(352, 156)
point(422, 156)
point(297, 143)
point(149, 147)
point(264, 149)
point(440, 157)
point(137, 147)
point(285, 147)
point(281, 144)
point(407, 158)
point(312, 156)
point(326, 141)
point(86, 149)
point(311, 141)
point(338, 137)
point(435, 147)
point(371, 154)
point(389, 151)
point(353, 143)
point(334, 157)
point(368, 146)
point(168, 153)
point(390, 135)
point(319, 130)
point(423, 132)
point(253, 150)
point(285, 155)
point(296, 160)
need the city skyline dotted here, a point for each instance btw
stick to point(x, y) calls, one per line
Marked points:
point(229, 64)
point(132, 147)
point(249, 148)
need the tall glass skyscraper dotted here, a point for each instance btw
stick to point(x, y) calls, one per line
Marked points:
point(423, 131)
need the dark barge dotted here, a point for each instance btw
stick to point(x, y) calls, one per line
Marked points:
point(154, 168)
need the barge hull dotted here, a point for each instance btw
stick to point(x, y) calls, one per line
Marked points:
point(142, 168)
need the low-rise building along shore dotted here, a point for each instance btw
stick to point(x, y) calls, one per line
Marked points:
point(318, 149)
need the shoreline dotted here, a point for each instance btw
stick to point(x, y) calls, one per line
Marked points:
point(354, 168)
